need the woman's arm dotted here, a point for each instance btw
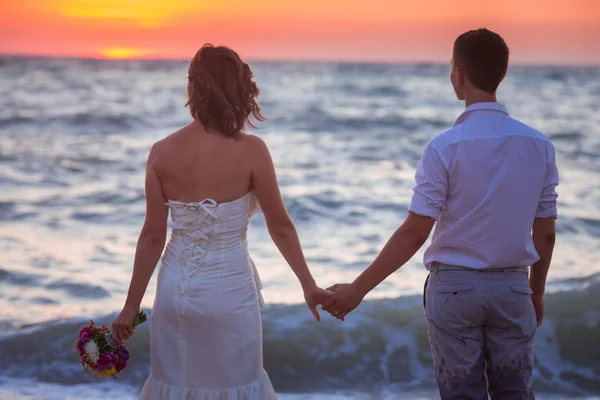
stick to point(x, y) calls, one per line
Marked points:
point(148, 251)
point(280, 225)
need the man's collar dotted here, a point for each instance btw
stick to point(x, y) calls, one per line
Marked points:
point(489, 106)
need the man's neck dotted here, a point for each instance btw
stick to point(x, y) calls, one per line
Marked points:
point(479, 97)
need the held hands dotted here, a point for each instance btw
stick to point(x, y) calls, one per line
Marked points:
point(345, 298)
point(122, 327)
point(315, 296)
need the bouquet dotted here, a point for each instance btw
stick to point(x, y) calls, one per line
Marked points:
point(99, 353)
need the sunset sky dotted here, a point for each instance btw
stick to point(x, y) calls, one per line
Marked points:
point(537, 31)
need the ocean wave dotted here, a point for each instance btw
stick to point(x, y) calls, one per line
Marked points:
point(589, 225)
point(107, 123)
point(383, 344)
point(567, 136)
point(7, 208)
point(111, 121)
point(316, 119)
point(16, 120)
point(79, 290)
point(106, 197)
point(322, 206)
point(381, 90)
point(11, 211)
point(18, 278)
point(92, 216)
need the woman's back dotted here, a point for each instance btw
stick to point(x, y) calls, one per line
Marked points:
point(208, 290)
point(207, 302)
point(194, 164)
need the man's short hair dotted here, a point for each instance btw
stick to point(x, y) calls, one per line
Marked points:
point(483, 56)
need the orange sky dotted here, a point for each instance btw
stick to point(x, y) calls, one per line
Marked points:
point(537, 31)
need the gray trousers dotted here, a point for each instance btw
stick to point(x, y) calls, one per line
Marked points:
point(481, 326)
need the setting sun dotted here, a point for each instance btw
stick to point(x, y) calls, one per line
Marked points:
point(116, 53)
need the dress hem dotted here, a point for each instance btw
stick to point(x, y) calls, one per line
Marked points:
point(260, 389)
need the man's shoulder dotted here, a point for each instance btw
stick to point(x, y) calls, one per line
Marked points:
point(445, 139)
point(526, 130)
point(463, 131)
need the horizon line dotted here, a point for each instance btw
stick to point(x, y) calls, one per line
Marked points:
point(290, 60)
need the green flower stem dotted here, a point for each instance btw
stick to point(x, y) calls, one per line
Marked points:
point(139, 318)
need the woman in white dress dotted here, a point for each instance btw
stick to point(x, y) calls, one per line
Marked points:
point(205, 327)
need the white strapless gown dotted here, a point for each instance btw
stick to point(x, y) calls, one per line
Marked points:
point(205, 327)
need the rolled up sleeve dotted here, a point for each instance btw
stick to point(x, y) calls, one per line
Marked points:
point(547, 205)
point(430, 192)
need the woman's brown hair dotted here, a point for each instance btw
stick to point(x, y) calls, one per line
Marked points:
point(221, 92)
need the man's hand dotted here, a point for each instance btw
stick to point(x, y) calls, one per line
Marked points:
point(345, 298)
point(315, 296)
point(538, 305)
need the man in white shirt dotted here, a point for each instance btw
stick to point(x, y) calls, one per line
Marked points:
point(489, 182)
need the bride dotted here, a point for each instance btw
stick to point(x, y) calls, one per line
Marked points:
point(205, 328)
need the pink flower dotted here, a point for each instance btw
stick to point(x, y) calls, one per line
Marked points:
point(107, 361)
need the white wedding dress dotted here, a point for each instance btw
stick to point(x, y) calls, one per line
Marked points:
point(205, 327)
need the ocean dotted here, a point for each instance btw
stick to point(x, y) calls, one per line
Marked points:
point(346, 139)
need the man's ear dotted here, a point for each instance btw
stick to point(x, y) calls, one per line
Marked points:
point(461, 77)
point(503, 76)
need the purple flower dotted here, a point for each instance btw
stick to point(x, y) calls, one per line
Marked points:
point(123, 353)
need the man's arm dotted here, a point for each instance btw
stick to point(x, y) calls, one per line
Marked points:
point(400, 248)
point(544, 237)
point(544, 234)
point(428, 202)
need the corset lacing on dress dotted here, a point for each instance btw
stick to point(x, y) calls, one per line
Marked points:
point(193, 227)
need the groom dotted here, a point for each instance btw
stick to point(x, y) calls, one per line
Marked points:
point(489, 182)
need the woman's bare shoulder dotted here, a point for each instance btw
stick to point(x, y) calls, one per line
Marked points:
point(164, 149)
point(253, 143)
point(173, 139)
point(256, 153)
